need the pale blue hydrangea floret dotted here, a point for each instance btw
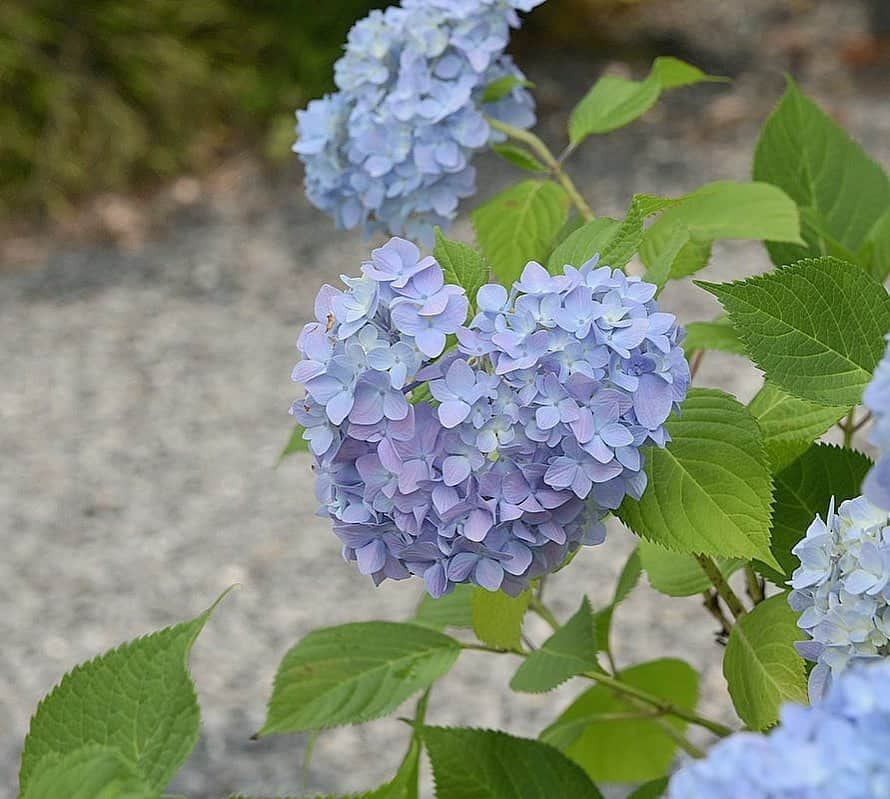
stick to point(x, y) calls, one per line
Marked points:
point(842, 589)
point(392, 149)
point(877, 399)
point(529, 433)
point(836, 749)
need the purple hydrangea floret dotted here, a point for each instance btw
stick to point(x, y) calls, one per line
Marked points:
point(392, 150)
point(842, 590)
point(836, 749)
point(481, 450)
point(877, 399)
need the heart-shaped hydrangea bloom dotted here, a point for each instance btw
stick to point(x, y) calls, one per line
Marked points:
point(842, 589)
point(490, 460)
point(392, 149)
point(836, 749)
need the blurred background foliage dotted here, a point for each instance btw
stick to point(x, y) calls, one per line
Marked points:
point(99, 94)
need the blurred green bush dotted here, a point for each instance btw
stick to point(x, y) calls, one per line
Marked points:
point(99, 94)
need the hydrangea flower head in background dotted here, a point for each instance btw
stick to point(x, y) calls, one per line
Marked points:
point(877, 399)
point(842, 589)
point(837, 748)
point(392, 149)
point(487, 460)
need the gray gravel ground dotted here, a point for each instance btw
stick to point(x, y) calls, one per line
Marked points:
point(143, 404)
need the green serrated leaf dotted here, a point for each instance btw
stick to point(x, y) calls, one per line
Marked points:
point(614, 102)
point(875, 252)
point(677, 573)
point(816, 328)
point(651, 790)
point(500, 88)
point(520, 225)
point(518, 156)
point(462, 265)
point(761, 665)
point(354, 673)
point(137, 699)
point(717, 464)
point(807, 154)
point(721, 210)
point(803, 491)
point(611, 739)
point(789, 424)
point(452, 610)
point(296, 443)
point(581, 245)
point(627, 581)
point(497, 617)
point(717, 335)
point(490, 764)
point(91, 772)
point(571, 650)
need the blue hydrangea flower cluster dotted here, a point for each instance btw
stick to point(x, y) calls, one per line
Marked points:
point(842, 589)
point(490, 461)
point(392, 149)
point(877, 400)
point(836, 749)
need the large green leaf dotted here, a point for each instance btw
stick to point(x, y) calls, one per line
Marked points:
point(790, 424)
point(716, 335)
point(490, 764)
point(138, 700)
point(677, 573)
point(651, 790)
point(722, 210)
point(600, 730)
point(875, 252)
point(804, 152)
point(816, 328)
point(520, 225)
point(709, 490)
point(614, 102)
point(497, 617)
point(462, 265)
point(761, 665)
point(91, 772)
point(582, 244)
point(803, 490)
point(571, 650)
point(354, 673)
point(452, 610)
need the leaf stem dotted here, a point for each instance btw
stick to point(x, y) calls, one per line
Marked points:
point(754, 585)
point(736, 608)
point(712, 605)
point(553, 164)
point(849, 429)
point(664, 706)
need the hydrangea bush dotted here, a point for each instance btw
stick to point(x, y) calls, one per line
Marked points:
point(475, 413)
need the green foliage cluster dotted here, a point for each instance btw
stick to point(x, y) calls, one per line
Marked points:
point(97, 93)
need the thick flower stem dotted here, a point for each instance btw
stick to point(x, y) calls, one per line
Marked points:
point(736, 608)
point(543, 152)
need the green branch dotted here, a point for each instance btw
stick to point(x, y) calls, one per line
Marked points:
point(553, 164)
